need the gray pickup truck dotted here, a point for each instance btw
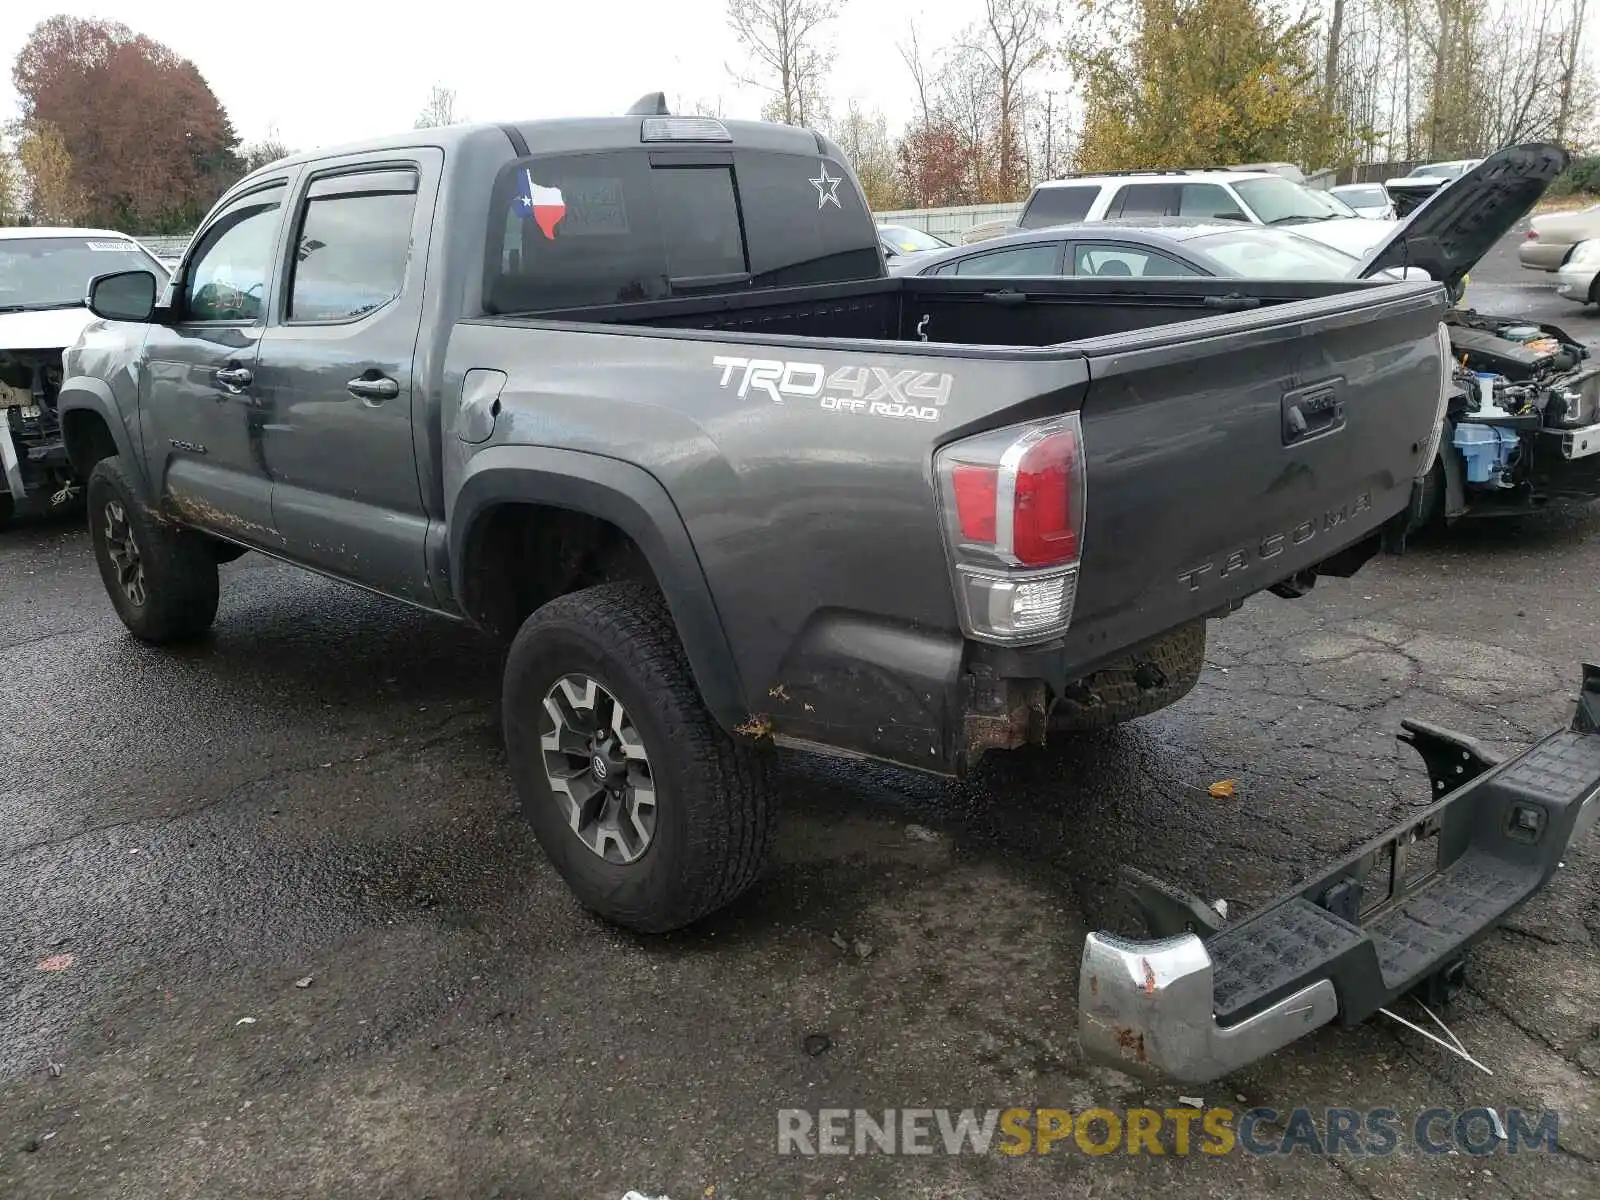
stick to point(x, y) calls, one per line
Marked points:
point(638, 394)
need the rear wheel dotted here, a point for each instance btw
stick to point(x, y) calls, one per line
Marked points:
point(652, 815)
point(162, 580)
point(1145, 682)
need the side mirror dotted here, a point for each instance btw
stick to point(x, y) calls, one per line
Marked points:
point(123, 296)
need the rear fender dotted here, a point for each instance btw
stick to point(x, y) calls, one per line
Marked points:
point(636, 503)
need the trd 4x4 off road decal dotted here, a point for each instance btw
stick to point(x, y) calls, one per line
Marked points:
point(868, 391)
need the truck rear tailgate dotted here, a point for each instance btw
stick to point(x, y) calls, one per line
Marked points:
point(1227, 455)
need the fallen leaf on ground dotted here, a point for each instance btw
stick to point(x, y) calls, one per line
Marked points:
point(245, 1021)
point(303, 982)
point(1223, 789)
point(56, 962)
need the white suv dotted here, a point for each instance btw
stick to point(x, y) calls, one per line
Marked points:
point(1251, 197)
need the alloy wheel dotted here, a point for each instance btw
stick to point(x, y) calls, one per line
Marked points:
point(598, 768)
point(124, 553)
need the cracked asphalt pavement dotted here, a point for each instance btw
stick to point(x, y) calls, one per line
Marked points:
point(317, 796)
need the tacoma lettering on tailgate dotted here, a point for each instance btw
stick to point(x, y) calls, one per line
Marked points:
point(1273, 544)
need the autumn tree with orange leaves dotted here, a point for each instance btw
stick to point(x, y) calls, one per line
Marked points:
point(149, 144)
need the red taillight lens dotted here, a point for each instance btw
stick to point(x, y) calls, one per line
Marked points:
point(1533, 235)
point(1012, 502)
point(1042, 531)
point(975, 489)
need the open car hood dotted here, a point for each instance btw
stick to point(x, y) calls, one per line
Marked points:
point(1456, 226)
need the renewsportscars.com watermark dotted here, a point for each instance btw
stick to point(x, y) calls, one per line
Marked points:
point(1176, 1131)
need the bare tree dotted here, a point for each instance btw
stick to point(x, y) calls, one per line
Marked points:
point(967, 103)
point(864, 138)
point(1011, 40)
point(788, 54)
point(440, 109)
point(1330, 71)
point(1050, 146)
point(269, 149)
point(1572, 41)
point(911, 55)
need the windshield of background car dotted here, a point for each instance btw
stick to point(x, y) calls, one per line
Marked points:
point(1261, 254)
point(48, 272)
point(908, 241)
point(1276, 201)
point(573, 230)
point(1366, 197)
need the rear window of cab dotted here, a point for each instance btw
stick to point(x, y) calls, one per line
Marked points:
point(568, 231)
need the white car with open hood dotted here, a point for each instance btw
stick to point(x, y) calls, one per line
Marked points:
point(44, 276)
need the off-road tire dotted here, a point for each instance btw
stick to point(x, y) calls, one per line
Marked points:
point(180, 570)
point(713, 800)
point(1145, 682)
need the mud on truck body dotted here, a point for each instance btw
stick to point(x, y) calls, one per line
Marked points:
point(638, 394)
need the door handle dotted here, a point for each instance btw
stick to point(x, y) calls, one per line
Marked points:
point(233, 379)
point(382, 388)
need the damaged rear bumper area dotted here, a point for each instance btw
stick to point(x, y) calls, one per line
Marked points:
point(1203, 999)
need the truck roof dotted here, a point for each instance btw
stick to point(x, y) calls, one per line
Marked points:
point(570, 134)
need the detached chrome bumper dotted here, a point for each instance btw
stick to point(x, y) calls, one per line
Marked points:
point(1399, 914)
point(10, 464)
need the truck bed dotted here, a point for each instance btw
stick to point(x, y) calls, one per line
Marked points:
point(967, 311)
point(819, 532)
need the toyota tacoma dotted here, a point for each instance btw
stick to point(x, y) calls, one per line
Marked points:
point(638, 394)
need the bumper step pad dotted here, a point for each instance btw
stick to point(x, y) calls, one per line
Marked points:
point(1383, 922)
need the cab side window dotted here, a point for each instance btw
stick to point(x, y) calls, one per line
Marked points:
point(226, 279)
point(352, 245)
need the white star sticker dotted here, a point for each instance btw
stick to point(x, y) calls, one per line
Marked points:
point(827, 188)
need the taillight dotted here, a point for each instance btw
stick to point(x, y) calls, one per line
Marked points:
point(1533, 235)
point(1013, 513)
point(1447, 373)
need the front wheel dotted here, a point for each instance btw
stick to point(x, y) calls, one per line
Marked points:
point(162, 580)
point(652, 815)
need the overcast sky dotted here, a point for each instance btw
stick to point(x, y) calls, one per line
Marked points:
point(326, 72)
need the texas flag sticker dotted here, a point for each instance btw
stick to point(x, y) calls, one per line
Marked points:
point(547, 204)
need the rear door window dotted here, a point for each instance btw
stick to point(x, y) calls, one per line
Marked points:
point(1145, 200)
point(1112, 261)
point(353, 246)
point(1059, 205)
point(1038, 258)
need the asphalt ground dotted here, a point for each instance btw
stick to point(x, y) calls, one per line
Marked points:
point(317, 795)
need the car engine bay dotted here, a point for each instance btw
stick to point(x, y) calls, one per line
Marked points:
point(1513, 378)
point(33, 461)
